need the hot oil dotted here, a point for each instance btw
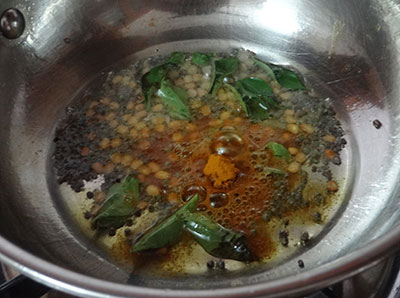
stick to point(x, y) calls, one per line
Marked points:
point(271, 206)
point(241, 205)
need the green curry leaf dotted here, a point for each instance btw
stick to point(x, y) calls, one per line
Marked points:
point(150, 82)
point(217, 240)
point(177, 58)
point(174, 99)
point(257, 108)
point(223, 67)
point(168, 232)
point(201, 59)
point(119, 204)
point(278, 150)
point(258, 96)
point(226, 66)
point(237, 95)
point(265, 67)
point(255, 87)
point(287, 78)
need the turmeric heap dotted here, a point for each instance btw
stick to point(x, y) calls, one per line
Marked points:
point(220, 170)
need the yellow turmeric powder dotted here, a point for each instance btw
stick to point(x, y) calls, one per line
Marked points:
point(220, 169)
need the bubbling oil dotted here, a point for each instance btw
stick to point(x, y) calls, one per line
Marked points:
point(264, 195)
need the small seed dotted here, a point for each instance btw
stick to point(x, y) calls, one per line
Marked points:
point(133, 133)
point(188, 79)
point(329, 138)
point(140, 107)
point(177, 137)
point(220, 264)
point(152, 190)
point(140, 125)
point(132, 121)
point(284, 238)
point(98, 167)
point(175, 124)
point(116, 142)
point(290, 119)
point(287, 136)
point(191, 127)
point(162, 175)
point(222, 95)
point(113, 123)
point(237, 120)
point(205, 110)
point(192, 92)
point(154, 167)
point(116, 157)
point(285, 95)
point(105, 101)
point(85, 151)
point(159, 128)
point(197, 77)
point(108, 168)
point(288, 113)
point(142, 205)
point(225, 115)
point(293, 150)
point(157, 108)
point(307, 128)
point(110, 116)
point(136, 164)
point(215, 122)
point(173, 197)
point(294, 167)
point(301, 157)
point(141, 114)
point(130, 106)
point(329, 154)
point(144, 145)
point(126, 160)
point(90, 113)
point(122, 129)
point(114, 105)
point(201, 92)
point(210, 264)
point(293, 128)
point(144, 170)
point(104, 143)
point(332, 186)
point(145, 133)
point(117, 79)
point(377, 124)
point(192, 69)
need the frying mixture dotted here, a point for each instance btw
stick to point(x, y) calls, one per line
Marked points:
point(200, 161)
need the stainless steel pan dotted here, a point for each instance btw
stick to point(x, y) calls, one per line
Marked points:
point(347, 49)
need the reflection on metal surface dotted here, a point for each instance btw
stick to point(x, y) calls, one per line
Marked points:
point(278, 16)
point(357, 69)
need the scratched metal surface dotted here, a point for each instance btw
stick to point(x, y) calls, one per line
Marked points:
point(347, 49)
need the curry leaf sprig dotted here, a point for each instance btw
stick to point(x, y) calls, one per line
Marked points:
point(153, 80)
point(167, 233)
point(258, 97)
point(175, 100)
point(254, 95)
point(285, 77)
point(215, 239)
point(119, 204)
